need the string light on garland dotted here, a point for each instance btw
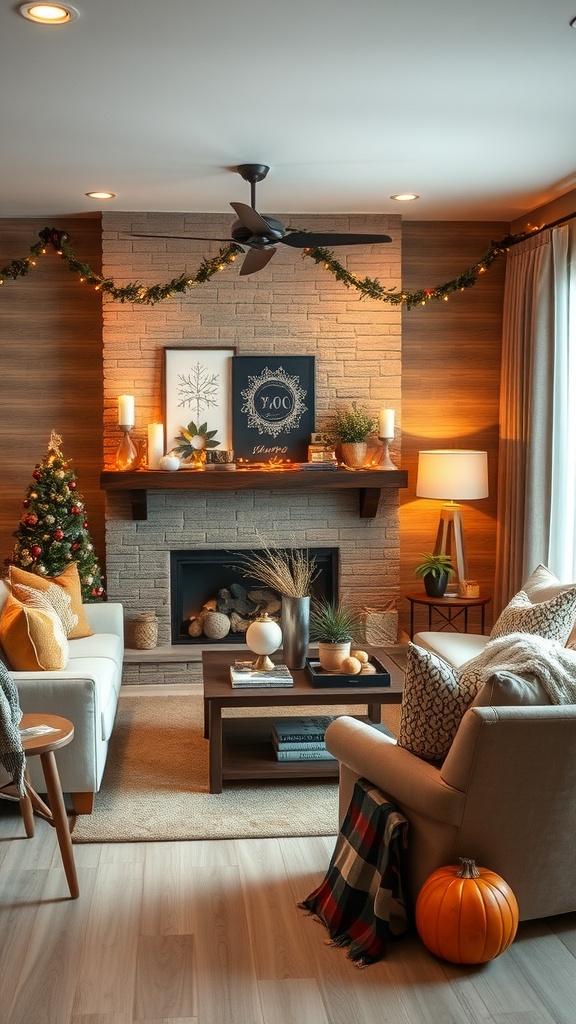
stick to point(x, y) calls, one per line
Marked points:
point(139, 293)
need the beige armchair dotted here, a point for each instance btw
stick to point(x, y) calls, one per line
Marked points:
point(505, 795)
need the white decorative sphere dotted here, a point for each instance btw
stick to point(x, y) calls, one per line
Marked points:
point(170, 462)
point(263, 636)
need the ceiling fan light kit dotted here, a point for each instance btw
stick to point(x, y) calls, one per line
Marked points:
point(262, 234)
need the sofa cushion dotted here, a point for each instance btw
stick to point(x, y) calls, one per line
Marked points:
point(507, 689)
point(455, 648)
point(32, 636)
point(99, 645)
point(551, 620)
point(69, 582)
point(434, 700)
point(542, 585)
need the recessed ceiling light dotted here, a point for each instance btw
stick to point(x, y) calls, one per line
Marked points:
point(100, 195)
point(49, 14)
point(405, 197)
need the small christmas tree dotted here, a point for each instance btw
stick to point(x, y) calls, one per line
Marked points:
point(53, 527)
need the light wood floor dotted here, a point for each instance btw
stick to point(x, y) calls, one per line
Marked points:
point(209, 933)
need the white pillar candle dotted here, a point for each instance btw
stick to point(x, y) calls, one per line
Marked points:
point(386, 423)
point(155, 444)
point(126, 410)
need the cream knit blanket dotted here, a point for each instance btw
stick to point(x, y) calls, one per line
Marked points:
point(524, 654)
point(12, 756)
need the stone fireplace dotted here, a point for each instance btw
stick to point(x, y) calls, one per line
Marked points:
point(202, 576)
point(293, 307)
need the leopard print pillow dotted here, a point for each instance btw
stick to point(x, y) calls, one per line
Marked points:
point(552, 620)
point(435, 697)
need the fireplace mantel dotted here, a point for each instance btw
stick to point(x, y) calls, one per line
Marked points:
point(368, 482)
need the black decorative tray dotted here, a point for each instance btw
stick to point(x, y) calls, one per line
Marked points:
point(320, 677)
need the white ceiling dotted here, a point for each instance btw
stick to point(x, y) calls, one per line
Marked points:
point(472, 105)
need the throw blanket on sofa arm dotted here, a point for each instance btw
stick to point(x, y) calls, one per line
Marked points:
point(12, 756)
point(530, 656)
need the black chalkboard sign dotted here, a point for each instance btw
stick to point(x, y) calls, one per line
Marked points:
point(273, 407)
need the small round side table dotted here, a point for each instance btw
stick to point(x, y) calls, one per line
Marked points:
point(448, 609)
point(44, 746)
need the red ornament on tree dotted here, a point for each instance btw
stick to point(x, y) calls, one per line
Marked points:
point(75, 510)
point(37, 474)
point(35, 550)
point(58, 534)
point(25, 503)
point(72, 485)
point(85, 524)
point(31, 520)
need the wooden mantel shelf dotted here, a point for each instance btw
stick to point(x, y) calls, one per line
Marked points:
point(368, 482)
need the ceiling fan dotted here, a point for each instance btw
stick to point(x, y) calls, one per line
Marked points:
point(262, 234)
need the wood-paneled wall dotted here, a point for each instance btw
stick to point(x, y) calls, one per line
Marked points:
point(50, 369)
point(451, 354)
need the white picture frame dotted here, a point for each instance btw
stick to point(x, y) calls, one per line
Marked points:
point(198, 388)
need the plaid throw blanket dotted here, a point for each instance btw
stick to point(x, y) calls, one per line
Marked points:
point(361, 900)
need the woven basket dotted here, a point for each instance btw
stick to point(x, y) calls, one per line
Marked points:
point(380, 627)
point(145, 631)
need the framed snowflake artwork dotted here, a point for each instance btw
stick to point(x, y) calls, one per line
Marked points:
point(198, 391)
point(273, 407)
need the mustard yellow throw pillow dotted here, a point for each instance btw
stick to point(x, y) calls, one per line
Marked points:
point(69, 581)
point(32, 636)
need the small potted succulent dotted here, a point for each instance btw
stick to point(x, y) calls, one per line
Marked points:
point(435, 571)
point(351, 427)
point(333, 628)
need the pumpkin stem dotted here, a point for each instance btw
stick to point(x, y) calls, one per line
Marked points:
point(468, 868)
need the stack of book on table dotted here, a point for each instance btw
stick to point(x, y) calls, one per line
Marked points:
point(301, 739)
point(242, 673)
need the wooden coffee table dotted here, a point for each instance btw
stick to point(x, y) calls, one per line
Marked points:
point(241, 748)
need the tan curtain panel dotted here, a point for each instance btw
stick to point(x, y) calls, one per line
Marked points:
point(524, 474)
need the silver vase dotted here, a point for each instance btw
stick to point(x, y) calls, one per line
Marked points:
point(295, 624)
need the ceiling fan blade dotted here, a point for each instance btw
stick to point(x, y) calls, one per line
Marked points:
point(255, 259)
point(250, 219)
point(312, 239)
point(184, 238)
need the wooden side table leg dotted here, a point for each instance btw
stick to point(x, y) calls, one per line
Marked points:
point(60, 820)
point(26, 810)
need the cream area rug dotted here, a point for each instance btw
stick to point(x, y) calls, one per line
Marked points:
point(155, 784)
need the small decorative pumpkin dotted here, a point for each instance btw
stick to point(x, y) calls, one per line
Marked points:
point(466, 915)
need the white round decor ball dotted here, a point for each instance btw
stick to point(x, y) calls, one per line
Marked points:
point(170, 462)
point(264, 636)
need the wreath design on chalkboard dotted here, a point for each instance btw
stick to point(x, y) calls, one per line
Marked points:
point(274, 402)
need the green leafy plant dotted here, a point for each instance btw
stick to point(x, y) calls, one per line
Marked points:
point(353, 425)
point(194, 438)
point(434, 565)
point(332, 623)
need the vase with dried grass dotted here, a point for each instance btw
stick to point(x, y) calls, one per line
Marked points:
point(290, 572)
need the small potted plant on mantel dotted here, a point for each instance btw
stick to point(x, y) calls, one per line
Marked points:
point(332, 627)
point(435, 571)
point(351, 427)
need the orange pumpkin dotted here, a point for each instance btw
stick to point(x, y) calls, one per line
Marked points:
point(465, 914)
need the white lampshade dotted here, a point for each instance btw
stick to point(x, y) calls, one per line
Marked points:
point(452, 475)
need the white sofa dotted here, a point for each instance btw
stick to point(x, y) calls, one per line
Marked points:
point(86, 692)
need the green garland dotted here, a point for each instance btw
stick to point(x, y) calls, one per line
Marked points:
point(140, 293)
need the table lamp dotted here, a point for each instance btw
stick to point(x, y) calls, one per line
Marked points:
point(451, 475)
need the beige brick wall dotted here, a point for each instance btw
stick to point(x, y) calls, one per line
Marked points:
point(292, 307)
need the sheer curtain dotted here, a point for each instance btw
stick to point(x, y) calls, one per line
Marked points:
point(537, 461)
